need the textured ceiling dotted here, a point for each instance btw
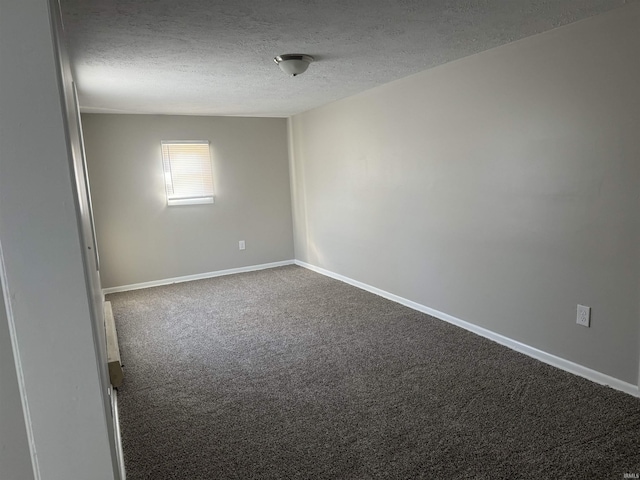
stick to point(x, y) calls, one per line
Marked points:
point(214, 57)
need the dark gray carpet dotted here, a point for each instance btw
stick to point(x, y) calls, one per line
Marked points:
point(287, 374)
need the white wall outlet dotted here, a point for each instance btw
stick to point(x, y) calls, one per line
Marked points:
point(241, 245)
point(584, 316)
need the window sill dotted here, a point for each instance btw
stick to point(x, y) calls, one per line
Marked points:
point(189, 201)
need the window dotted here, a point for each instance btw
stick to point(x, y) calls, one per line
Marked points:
point(187, 172)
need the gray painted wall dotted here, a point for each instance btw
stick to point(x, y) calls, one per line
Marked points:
point(142, 239)
point(40, 233)
point(15, 457)
point(502, 189)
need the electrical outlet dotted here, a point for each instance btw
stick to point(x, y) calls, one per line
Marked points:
point(584, 316)
point(241, 245)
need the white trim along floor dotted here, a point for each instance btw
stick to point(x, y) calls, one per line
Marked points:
point(545, 357)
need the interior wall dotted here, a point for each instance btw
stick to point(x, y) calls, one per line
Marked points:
point(15, 456)
point(141, 239)
point(502, 189)
point(45, 285)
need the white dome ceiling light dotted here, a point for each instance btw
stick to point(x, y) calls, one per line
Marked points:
point(293, 63)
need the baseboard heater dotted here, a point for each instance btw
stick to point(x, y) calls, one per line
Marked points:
point(116, 375)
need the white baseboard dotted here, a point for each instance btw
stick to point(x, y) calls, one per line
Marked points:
point(199, 276)
point(545, 357)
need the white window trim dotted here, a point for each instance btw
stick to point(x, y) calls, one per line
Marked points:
point(190, 201)
point(194, 200)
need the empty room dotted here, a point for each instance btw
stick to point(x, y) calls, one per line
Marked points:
point(341, 240)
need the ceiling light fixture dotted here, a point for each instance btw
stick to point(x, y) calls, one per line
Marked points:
point(293, 63)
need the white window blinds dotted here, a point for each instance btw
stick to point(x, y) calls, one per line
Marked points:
point(187, 172)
